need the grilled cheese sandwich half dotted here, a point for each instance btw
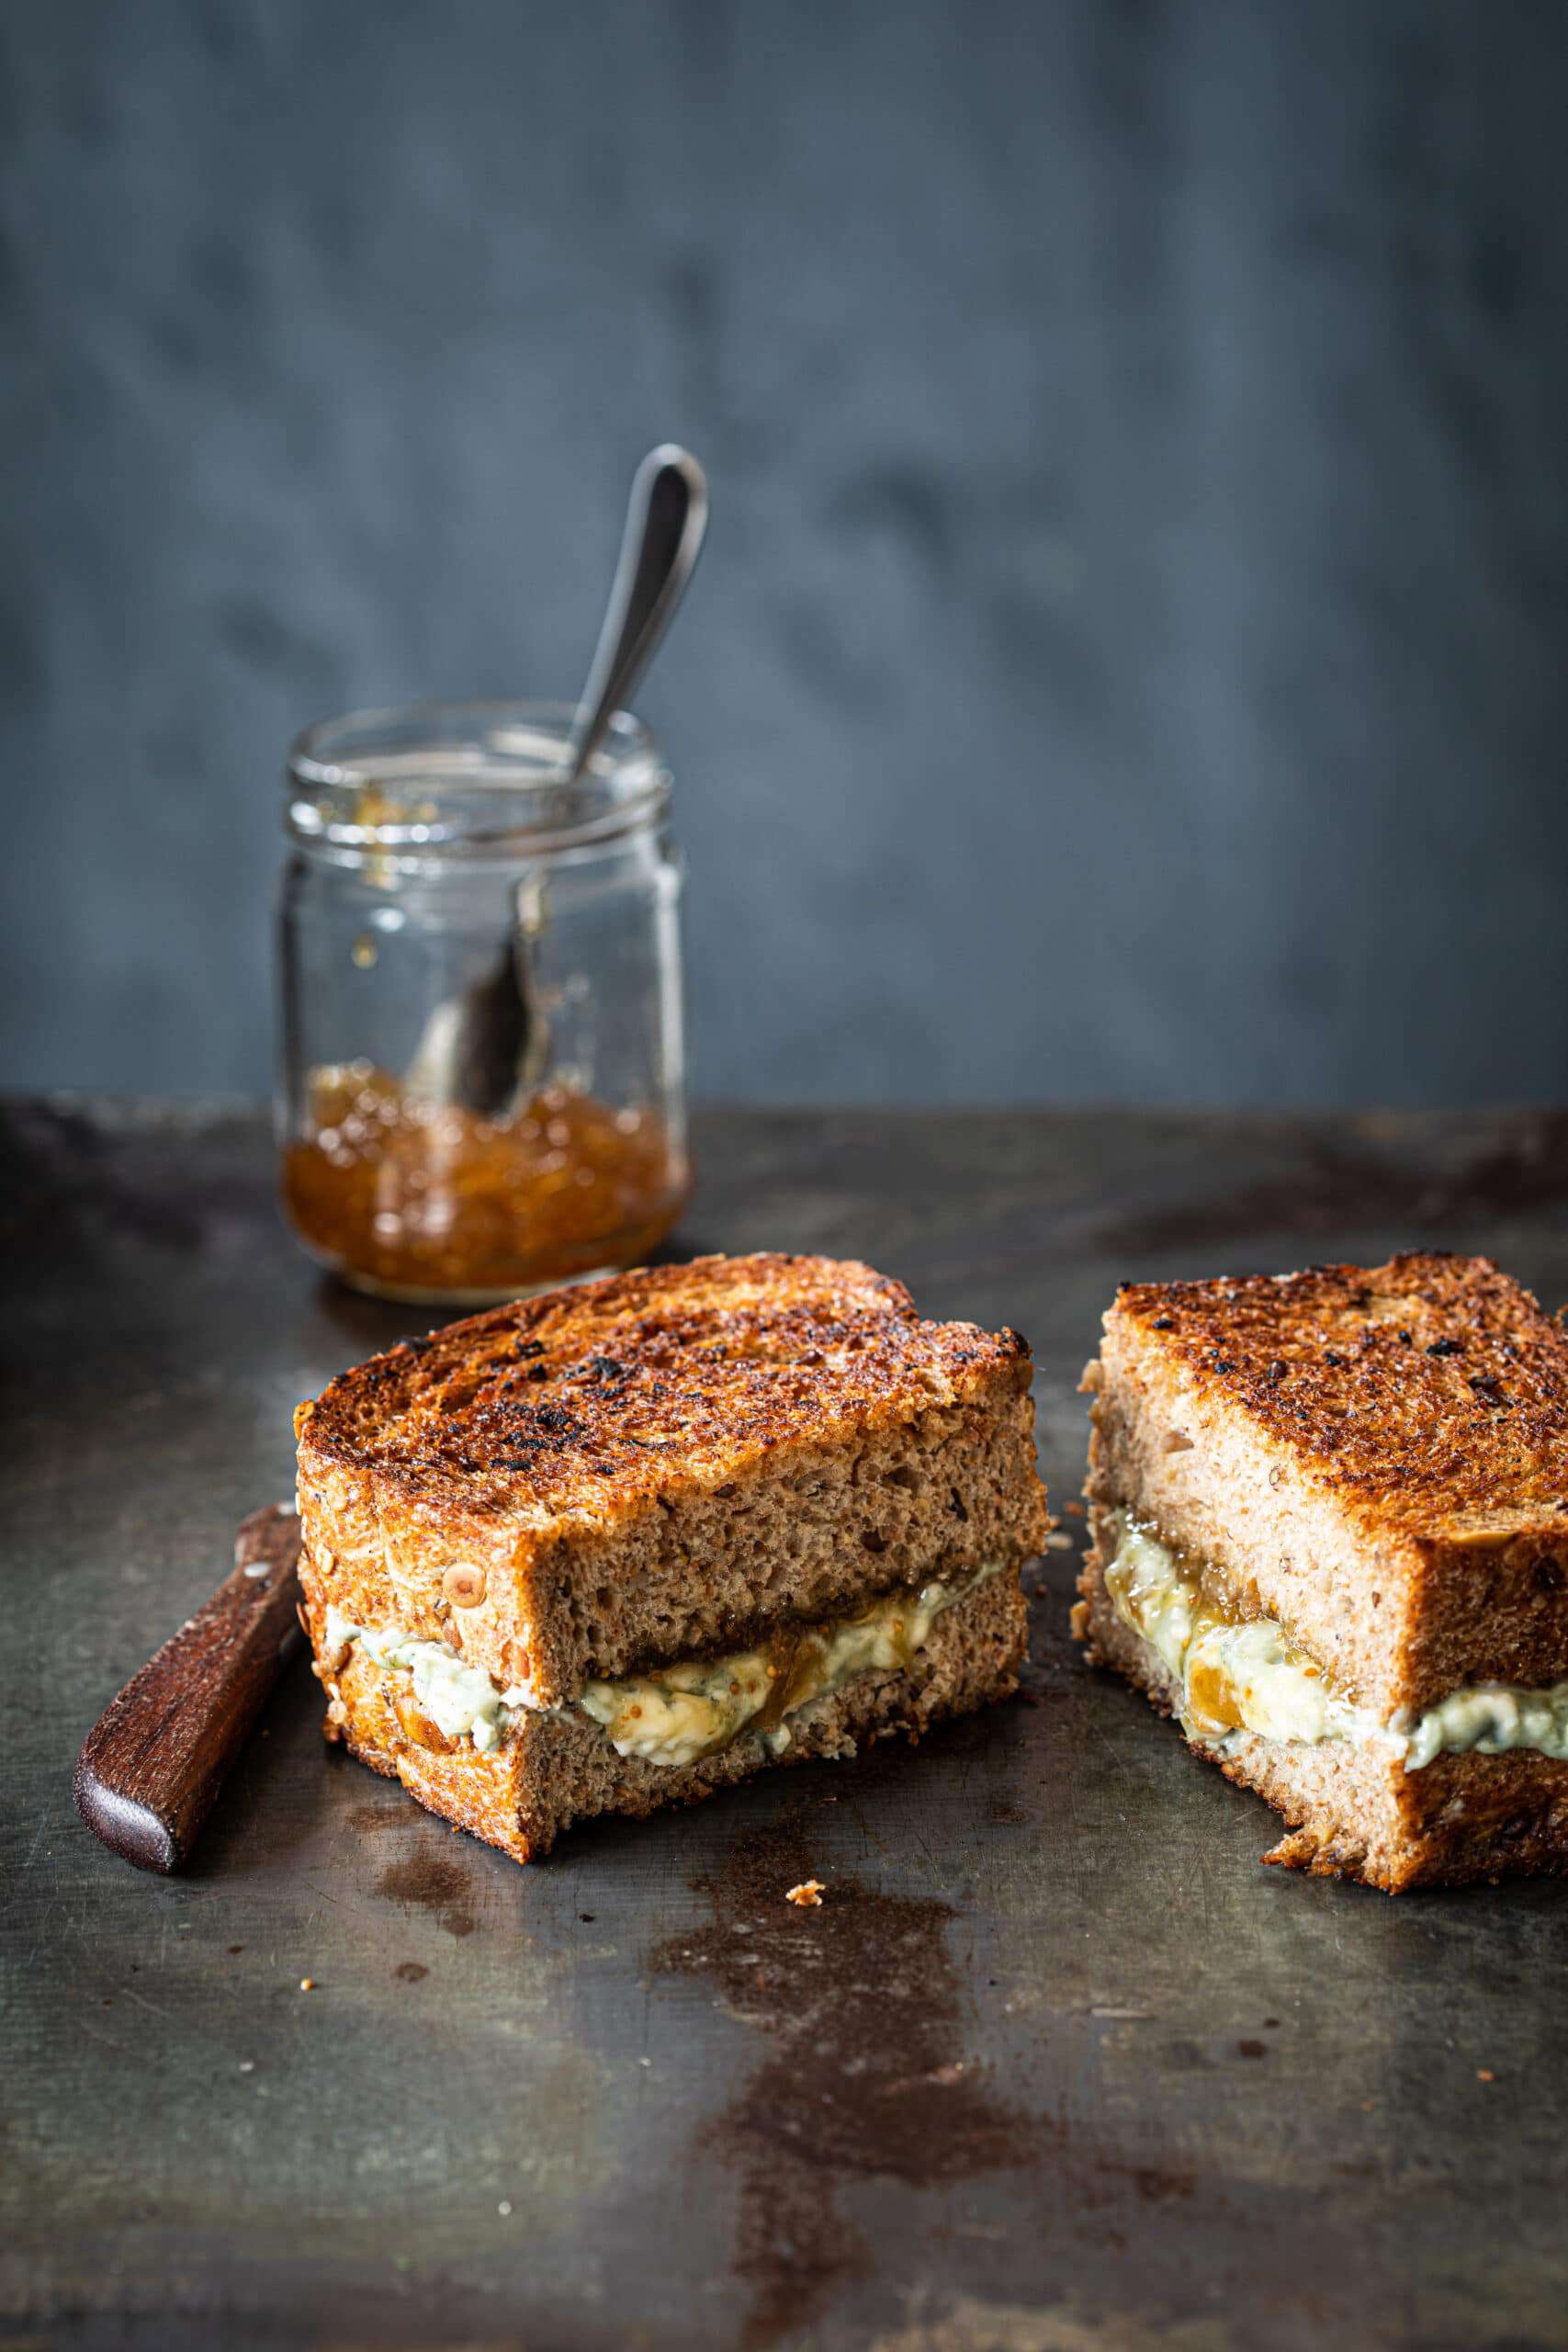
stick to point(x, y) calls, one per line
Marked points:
point(1330, 1522)
point(616, 1547)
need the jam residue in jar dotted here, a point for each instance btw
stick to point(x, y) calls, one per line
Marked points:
point(418, 1199)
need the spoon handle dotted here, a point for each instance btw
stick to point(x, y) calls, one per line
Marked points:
point(667, 519)
point(155, 1760)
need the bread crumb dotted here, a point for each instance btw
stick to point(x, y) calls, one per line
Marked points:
point(807, 1895)
point(1074, 1511)
point(307, 1984)
point(1484, 2075)
point(1057, 1541)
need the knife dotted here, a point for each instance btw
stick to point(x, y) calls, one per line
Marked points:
point(157, 1756)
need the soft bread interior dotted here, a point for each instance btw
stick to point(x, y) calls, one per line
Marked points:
point(1217, 1490)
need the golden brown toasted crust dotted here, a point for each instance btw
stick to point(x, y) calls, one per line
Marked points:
point(555, 1769)
point(1428, 1386)
point(601, 1398)
point(1355, 1811)
point(1377, 1457)
point(662, 1464)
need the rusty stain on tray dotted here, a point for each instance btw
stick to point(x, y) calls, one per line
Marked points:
point(867, 2079)
point(435, 1883)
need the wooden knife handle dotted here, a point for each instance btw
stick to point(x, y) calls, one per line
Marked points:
point(155, 1760)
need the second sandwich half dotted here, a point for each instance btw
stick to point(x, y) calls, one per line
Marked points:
point(615, 1548)
point(1330, 1522)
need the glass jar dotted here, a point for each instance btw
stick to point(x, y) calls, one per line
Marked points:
point(482, 1090)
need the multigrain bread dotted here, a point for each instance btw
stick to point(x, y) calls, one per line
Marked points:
point(670, 1465)
point(1376, 1462)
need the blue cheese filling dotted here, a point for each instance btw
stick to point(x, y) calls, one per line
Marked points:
point(1238, 1675)
point(695, 1707)
point(461, 1700)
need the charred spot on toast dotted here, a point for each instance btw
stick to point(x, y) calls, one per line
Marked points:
point(1433, 1382)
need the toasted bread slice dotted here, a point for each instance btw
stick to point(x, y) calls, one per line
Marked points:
point(668, 1467)
point(1375, 1462)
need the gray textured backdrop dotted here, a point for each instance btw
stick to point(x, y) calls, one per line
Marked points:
point(1129, 659)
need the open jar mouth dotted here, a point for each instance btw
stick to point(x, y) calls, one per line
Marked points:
point(440, 780)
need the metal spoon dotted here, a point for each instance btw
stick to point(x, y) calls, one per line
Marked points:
point(489, 1046)
point(667, 518)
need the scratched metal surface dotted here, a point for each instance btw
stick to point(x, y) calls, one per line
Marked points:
point(1055, 2065)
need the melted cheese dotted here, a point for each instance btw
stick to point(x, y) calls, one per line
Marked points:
point(461, 1700)
point(1243, 1675)
point(693, 1708)
point(689, 1710)
point(1493, 1717)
